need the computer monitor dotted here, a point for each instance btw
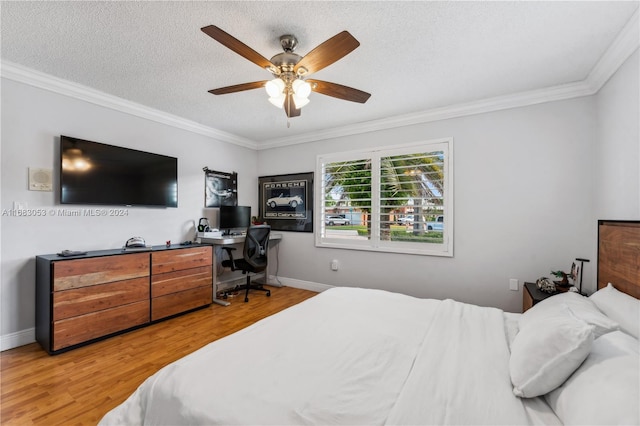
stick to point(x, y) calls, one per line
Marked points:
point(234, 218)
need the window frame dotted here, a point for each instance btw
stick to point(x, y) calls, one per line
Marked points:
point(374, 243)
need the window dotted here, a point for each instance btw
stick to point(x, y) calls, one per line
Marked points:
point(394, 199)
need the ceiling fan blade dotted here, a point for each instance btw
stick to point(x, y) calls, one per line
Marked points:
point(290, 107)
point(339, 91)
point(237, 46)
point(328, 52)
point(238, 87)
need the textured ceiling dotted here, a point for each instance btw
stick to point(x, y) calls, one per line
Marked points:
point(413, 56)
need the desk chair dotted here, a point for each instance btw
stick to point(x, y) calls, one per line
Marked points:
point(256, 247)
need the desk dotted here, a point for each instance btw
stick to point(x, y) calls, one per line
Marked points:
point(230, 240)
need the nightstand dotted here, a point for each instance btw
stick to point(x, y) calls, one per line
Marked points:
point(532, 295)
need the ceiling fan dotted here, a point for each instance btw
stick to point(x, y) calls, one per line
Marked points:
point(289, 89)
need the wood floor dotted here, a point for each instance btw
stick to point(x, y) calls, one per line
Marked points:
point(78, 387)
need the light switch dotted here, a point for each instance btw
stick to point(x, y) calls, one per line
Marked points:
point(513, 284)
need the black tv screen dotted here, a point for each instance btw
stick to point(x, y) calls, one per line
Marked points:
point(97, 173)
point(235, 217)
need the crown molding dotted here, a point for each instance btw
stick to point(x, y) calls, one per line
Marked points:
point(22, 74)
point(625, 44)
point(622, 47)
point(550, 94)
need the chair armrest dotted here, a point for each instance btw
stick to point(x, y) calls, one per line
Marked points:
point(229, 263)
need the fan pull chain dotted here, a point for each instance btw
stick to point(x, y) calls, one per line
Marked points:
point(288, 111)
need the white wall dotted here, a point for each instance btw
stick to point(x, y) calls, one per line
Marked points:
point(527, 193)
point(522, 205)
point(32, 122)
point(617, 156)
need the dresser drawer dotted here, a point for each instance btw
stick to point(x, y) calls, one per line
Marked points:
point(80, 301)
point(171, 282)
point(79, 329)
point(79, 273)
point(182, 301)
point(176, 260)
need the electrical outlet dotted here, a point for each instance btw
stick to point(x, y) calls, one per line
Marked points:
point(334, 265)
point(513, 284)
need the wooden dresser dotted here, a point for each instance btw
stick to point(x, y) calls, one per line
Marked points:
point(85, 298)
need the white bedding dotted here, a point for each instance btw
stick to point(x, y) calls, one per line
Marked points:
point(346, 356)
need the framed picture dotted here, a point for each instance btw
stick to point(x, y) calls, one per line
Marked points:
point(220, 188)
point(286, 201)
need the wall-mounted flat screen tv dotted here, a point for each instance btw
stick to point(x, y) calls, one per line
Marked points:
point(97, 173)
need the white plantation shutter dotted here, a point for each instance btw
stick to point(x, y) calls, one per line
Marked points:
point(396, 199)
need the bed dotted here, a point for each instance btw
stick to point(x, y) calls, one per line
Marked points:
point(362, 356)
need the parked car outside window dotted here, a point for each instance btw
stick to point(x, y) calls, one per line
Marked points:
point(405, 220)
point(336, 220)
point(436, 225)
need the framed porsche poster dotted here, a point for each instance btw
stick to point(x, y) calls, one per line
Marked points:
point(286, 201)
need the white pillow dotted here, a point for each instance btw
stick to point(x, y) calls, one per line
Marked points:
point(619, 307)
point(581, 307)
point(604, 390)
point(545, 353)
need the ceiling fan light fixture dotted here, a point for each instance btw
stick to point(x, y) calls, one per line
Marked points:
point(273, 69)
point(300, 101)
point(278, 101)
point(301, 88)
point(275, 87)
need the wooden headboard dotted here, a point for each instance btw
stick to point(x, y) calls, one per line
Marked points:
point(619, 255)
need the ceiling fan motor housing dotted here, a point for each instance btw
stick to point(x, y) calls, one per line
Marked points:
point(288, 42)
point(286, 61)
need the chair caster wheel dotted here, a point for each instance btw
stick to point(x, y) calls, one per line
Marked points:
point(268, 294)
